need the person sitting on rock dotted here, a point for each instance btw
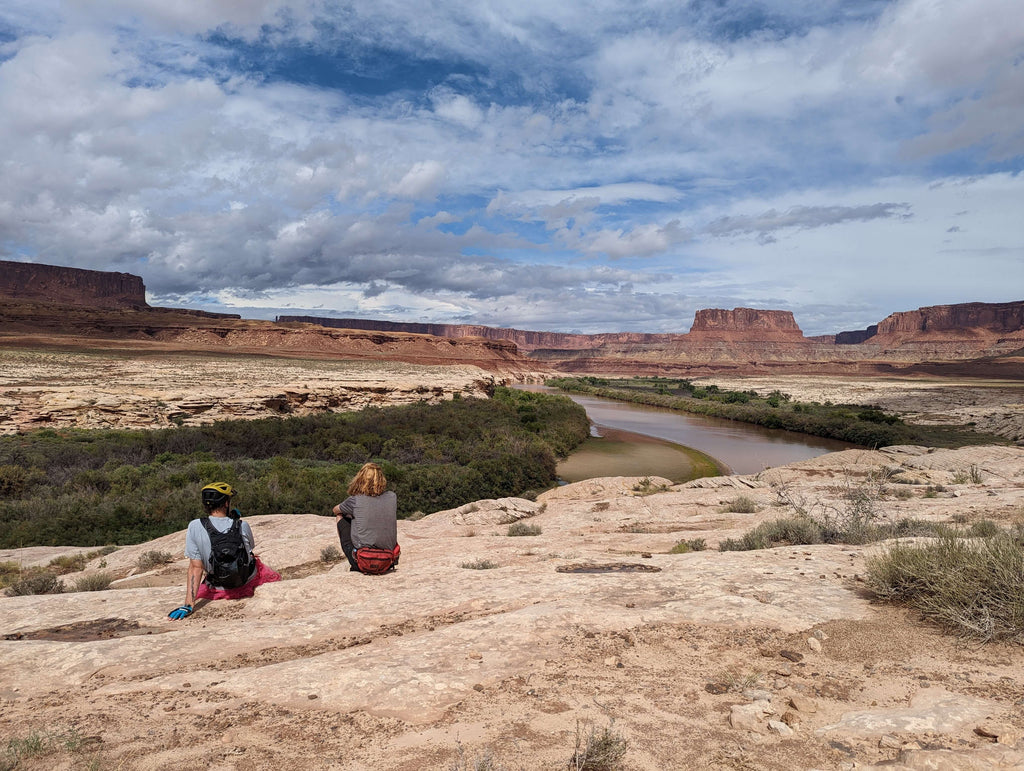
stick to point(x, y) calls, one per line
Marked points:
point(368, 522)
point(219, 546)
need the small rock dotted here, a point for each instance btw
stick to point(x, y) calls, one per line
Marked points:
point(792, 655)
point(312, 696)
point(1003, 733)
point(783, 670)
point(779, 727)
point(819, 635)
point(475, 655)
point(645, 555)
point(750, 717)
point(612, 661)
point(814, 644)
point(803, 704)
point(791, 718)
point(478, 687)
point(716, 688)
point(890, 742)
point(757, 694)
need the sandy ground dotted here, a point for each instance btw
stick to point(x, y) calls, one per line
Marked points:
point(696, 660)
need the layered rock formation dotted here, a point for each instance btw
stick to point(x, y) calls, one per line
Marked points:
point(71, 286)
point(985, 338)
point(971, 318)
point(746, 323)
point(525, 340)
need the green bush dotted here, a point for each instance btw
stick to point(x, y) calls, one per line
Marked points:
point(971, 586)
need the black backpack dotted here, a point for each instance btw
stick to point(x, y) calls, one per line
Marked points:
point(232, 564)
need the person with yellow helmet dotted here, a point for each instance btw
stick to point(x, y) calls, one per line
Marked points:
point(219, 546)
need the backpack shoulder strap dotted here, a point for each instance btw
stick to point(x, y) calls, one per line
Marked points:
point(210, 529)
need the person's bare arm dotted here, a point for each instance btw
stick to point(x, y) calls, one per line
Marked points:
point(196, 571)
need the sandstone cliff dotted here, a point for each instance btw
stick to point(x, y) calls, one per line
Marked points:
point(749, 323)
point(71, 286)
point(524, 339)
point(969, 318)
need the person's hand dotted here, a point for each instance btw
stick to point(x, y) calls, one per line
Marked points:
point(180, 612)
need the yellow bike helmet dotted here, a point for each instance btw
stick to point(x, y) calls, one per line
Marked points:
point(216, 495)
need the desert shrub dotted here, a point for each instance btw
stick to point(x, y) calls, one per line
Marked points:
point(778, 532)
point(523, 528)
point(741, 504)
point(153, 558)
point(971, 475)
point(35, 582)
point(971, 586)
point(330, 554)
point(908, 527)
point(903, 493)
point(480, 564)
point(483, 761)
point(35, 745)
point(69, 563)
point(597, 749)
point(646, 486)
point(685, 547)
point(95, 582)
point(9, 573)
point(984, 528)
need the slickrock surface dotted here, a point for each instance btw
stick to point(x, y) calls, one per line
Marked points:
point(50, 389)
point(481, 642)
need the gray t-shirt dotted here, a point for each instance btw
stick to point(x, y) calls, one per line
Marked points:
point(374, 519)
point(197, 540)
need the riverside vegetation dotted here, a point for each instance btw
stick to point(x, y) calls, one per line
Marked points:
point(95, 487)
point(862, 425)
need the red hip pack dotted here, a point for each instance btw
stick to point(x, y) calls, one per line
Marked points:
point(375, 562)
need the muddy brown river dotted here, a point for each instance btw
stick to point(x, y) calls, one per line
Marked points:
point(740, 448)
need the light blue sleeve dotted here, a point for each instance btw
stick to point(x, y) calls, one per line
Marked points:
point(197, 543)
point(250, 542)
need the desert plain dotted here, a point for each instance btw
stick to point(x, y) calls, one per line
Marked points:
point(489, 651)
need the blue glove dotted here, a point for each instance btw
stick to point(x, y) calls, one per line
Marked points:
point(180, 613)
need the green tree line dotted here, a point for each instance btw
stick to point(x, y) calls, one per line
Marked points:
point(95, 487)
point(861, 425)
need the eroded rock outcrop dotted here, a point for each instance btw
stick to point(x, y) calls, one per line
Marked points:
point(71, 286)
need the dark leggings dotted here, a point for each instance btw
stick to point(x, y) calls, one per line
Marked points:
point(345, 536)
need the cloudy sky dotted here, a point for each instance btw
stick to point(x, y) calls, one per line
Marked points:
point(592, 165)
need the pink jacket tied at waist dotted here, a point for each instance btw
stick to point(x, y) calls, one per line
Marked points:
point(263, 575)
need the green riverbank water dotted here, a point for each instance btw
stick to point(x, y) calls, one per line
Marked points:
point(623, 453)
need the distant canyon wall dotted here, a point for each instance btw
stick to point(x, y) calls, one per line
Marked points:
point(71, 286)
point(756, 340)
